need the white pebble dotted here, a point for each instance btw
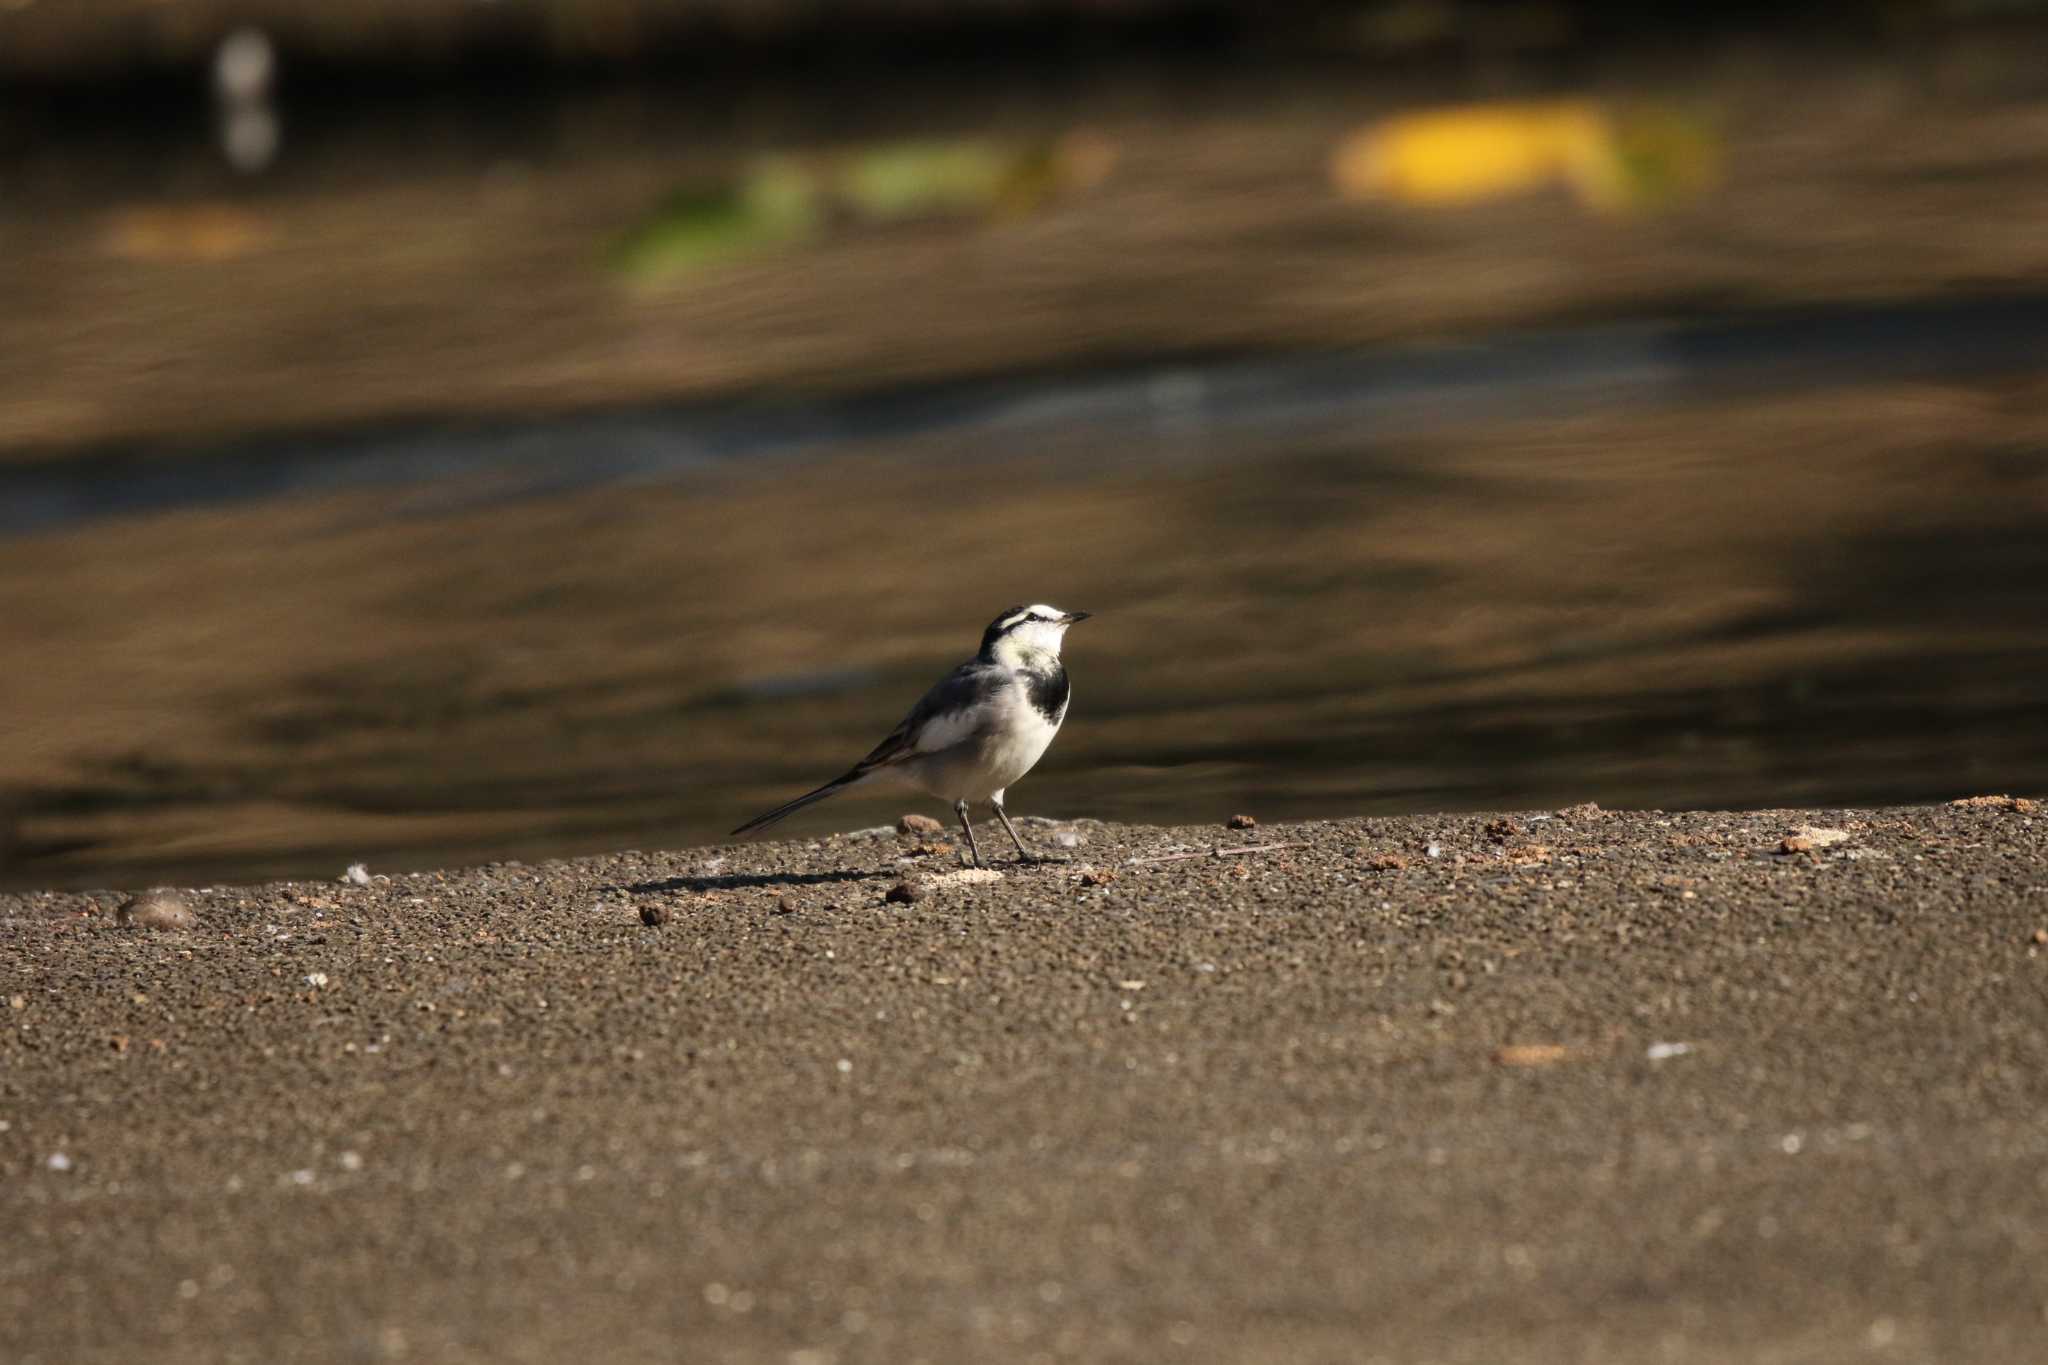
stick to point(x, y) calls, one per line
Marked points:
point(1664, 1052)
point(316, 978)
point(59, 1162)
point(244, 65)
point(845, 1064)
point(358, 874)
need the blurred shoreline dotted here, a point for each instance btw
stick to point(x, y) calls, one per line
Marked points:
point(440, 261)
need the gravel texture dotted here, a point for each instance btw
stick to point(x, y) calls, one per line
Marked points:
point(1580, 1086)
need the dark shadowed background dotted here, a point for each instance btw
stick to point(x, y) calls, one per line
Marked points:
point(441, 431)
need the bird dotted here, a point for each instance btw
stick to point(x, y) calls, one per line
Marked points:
point(978, 730)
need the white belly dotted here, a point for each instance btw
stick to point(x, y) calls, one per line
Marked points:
point(984, 764)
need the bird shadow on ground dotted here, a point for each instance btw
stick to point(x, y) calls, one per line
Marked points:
point(734, 881)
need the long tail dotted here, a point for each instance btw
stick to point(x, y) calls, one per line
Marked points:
point(836, 785)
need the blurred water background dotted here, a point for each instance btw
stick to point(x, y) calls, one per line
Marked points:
point(444, 432)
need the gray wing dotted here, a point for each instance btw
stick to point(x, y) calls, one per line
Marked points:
point(955, 710)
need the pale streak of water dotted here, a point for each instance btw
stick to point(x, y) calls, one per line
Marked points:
point(1177, 408)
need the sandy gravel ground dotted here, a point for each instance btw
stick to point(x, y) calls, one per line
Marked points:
point(1577, 1087)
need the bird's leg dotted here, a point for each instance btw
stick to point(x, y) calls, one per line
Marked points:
point(960, 808)
point(1025, 854)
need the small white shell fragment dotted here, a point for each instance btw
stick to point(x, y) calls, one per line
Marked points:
point(968, 876)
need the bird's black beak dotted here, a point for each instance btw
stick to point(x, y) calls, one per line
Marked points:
point(1075, 617)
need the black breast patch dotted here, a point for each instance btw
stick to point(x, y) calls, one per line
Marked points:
point(1048, 691)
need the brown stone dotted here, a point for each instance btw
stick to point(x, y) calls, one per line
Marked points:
point(158, 909)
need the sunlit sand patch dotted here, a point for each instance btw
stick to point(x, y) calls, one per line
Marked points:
point(967, 876)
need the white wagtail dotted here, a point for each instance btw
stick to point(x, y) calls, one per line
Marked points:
point(979, 729)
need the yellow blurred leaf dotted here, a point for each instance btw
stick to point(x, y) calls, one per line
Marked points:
point(1477, 152)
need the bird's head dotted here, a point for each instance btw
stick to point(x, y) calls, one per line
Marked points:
point(1023, 632)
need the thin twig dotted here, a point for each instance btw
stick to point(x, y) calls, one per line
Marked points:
point(1213, 853)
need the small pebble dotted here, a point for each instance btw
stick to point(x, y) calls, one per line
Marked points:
point(59, 1162)
point(1070, 838)
point(1502, 830)
point(2040, 937)
point(1242, 822)
point(158, 909)
point(905, 892)
point(358, 874)
point(1807, 838)
point(654, 916)
point(918, 824)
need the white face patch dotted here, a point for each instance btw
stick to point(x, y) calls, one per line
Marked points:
point(1028, 632)
point(1033, 635)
